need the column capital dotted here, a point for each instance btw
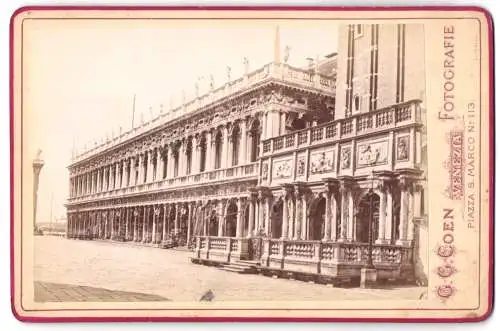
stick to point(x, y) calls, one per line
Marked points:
point(346, 183)
point(286, 190)
point(331, 185)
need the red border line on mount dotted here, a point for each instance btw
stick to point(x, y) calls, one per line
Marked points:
point(489, 20)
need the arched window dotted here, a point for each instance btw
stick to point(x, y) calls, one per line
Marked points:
point(164, 156)
point(176, 163)
point(236, 138)
point(136, 168)
point(155, 164)
point(203, 153)
point(255, 136)
point(218, 150)
point(145, 168)
point(189, 154)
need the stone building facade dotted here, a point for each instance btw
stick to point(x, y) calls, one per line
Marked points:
point(306, 170)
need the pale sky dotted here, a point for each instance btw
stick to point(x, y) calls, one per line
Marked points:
point(80, 76)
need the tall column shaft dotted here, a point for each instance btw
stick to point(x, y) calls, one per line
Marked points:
point(328, 216)
point(242, 155)
point(284, 226)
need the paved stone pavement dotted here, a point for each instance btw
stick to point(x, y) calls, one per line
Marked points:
point(50, 292)
point(170, 274)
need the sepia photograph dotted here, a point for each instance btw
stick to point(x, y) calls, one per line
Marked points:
point(183, 160)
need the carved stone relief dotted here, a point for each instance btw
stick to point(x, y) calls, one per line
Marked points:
point(345, 157)
point(322, 162)
point(282, 169)
point(402, 148)
point(370, 154)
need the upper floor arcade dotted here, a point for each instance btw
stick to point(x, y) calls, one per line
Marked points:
point(218, 140)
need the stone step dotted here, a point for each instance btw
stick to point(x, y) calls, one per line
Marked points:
point(245, 263)
point(235, 269)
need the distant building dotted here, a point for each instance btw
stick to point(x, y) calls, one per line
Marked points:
point(285, 166)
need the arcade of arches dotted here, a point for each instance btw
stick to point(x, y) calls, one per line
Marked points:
point(336, 211)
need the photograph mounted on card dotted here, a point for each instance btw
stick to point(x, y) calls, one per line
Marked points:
point(212, 164)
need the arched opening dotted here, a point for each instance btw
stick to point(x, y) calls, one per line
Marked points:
point(235, 138)
point(231, 216)
point(317, 218)
point(176, 162)
point(171, 220)
point(136, 168)
point(277, 219)
point(165, 163)
point(368, 214)
point(396, 209)
point(183, 224)
point(189, 156)
point(255, 139)
point(213, 224)
point(218, 150)
point(246, 221)
point(145, 167)
point(155, 164)
point(203, 152)
point(297, 124)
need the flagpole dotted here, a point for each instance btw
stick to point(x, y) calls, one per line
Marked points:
point(133, 112)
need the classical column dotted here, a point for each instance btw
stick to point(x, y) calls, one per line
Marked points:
point(382, 219)
point(284, 226)
point(160, 165)
point(150, 165)
point(209, 152)
point(261, 213)
point(350, 219)
point(177, 217)
point(140, 174)
point(144, 224)
point(405, 210)
point(239, 219)
point(96, 182)
point(344, 211)
point(190, 216)
point(171, 163)
point(131, 172)
point(229, 153)
point(156, 211)
point(224, 147)
point(221, 215)
point(164, 227)
point(134, 225)
point(328, 215)
point(117, 175)
point(126, 225)
point(243, 143)
point(298, 212)
point(251, 215)
point(333, 222)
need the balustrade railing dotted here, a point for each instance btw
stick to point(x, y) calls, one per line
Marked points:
point(348, 253)
point(390, 117)
point(239, 171)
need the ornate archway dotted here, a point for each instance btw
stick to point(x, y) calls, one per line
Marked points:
point(255, 132)
point(213, 224)
point(276, 218)
point(231, 217)
point(317, 218)
point(367, 212)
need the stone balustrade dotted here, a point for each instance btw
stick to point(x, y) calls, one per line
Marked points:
point(272, 71)
point(386, 118)
point(246, 171)
point(221, 249)
point(327, 258)
point(336, 259)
